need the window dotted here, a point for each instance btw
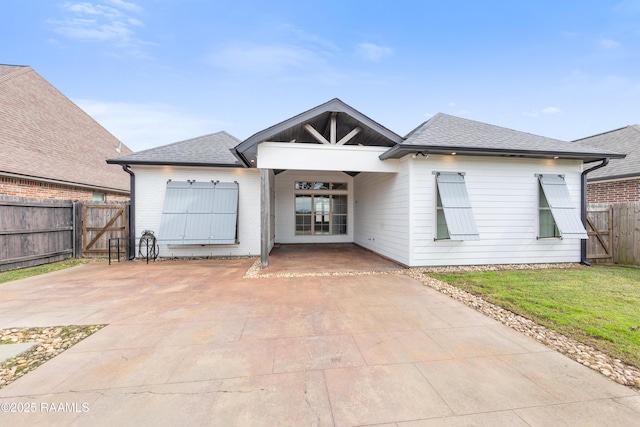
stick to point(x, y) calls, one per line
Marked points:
point(558, 216)
point(454, 217)
point(199, 213)
point(547, 226)
point(442, 232)
point(320, 208)
point(98, 197)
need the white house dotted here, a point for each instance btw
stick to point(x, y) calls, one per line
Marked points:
point(452, 192)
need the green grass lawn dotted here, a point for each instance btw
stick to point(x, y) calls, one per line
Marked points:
point(599, 306)
point(21, 273)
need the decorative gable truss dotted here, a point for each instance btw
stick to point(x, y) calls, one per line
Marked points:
point(333, 126)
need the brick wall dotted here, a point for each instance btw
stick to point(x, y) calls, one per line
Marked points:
point(614, 191)
point(43, 190)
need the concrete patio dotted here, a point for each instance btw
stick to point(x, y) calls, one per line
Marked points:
point(195, 343)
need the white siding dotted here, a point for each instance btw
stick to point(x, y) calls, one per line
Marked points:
point(504, 199)
point(149, 193)
point(285, 209)
point(382, 212)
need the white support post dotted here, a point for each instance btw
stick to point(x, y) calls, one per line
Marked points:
point(334, 126)
point(265, 209)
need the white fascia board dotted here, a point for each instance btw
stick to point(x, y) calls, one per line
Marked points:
point(352, 158)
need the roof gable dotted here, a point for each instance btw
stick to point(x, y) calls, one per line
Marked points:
point(207, 150)
point(45, 135)
point(444, 134)
point(296, 129)
point(624, 140)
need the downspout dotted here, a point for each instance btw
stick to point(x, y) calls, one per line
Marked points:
point(583, 195)
point(131, 248)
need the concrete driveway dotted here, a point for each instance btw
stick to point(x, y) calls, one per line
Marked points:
point(193, 343)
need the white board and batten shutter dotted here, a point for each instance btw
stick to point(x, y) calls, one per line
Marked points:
point(200, 213)
point(562, 208)
point(456, 206)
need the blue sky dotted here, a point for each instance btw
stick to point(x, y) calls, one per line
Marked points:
point(158, 71)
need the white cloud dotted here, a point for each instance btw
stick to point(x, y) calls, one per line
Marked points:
point(550, 110)
point(608, 44)
point(311, 40)
point(545, 111)
point(104, 21)
point(629, 7)
point(373, 52)
point(256, 58)
point(125, 5)
point(146, 125)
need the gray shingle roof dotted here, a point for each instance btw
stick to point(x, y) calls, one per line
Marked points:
point(207, 150)
point(444, 133)
point(624, 140)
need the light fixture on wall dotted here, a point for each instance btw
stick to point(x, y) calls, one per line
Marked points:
point(420, 154)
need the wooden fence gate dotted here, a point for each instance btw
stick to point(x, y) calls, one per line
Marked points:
point(600, 231)
point(102, 221)
point(614, 233)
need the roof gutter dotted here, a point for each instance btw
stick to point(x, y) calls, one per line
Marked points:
point(65, 183)
point(240, 156)
point(583, 196)
point(131, 247)
point(400, 150)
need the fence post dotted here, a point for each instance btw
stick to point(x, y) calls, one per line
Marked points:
point(77, 229)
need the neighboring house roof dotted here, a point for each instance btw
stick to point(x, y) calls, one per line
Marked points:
point(445, 134)
point(624, 140)
point(348, 118)
point(44, 135)
point(208, 150)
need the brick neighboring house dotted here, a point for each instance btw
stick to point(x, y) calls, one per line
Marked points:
point(619, 181)
point(51, 149)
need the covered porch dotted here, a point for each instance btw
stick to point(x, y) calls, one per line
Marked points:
point(307, 165)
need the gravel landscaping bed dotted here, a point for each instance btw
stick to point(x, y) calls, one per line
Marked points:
point(48, 343)
point(612, 368)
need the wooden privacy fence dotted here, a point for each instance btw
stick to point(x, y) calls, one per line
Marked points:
point(35, 231)
point(614, 233)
